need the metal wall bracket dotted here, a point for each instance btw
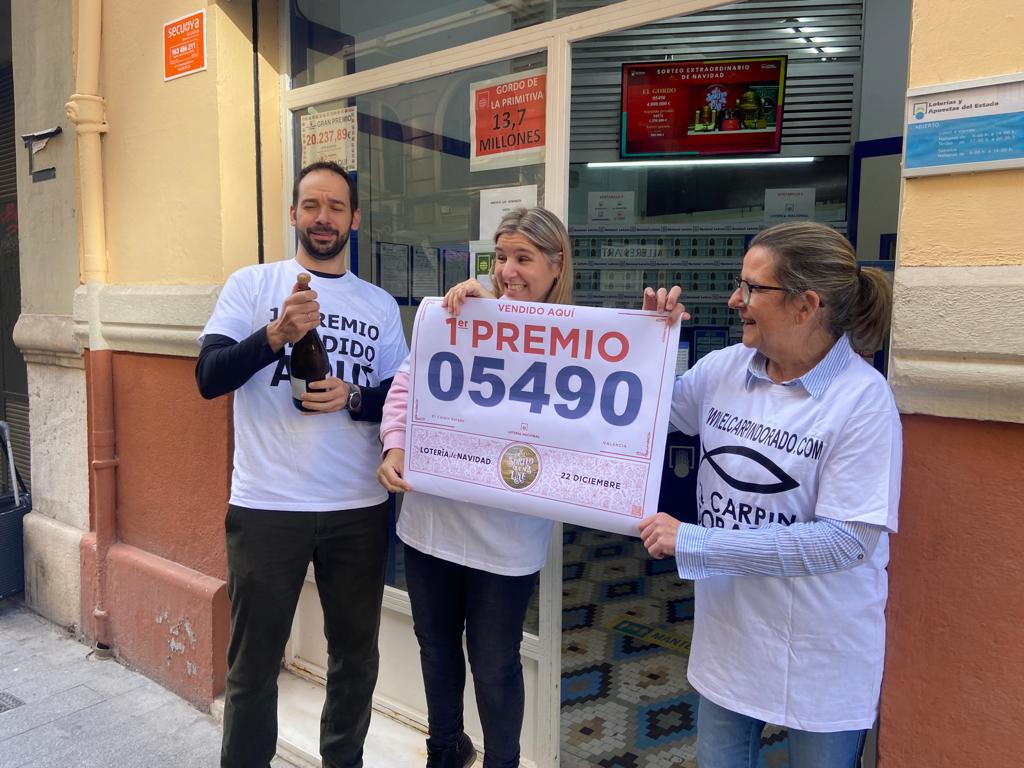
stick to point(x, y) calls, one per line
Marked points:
point(40, 137)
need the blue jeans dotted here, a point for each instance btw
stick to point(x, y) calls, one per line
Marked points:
point(446, 597)
point(727, 739)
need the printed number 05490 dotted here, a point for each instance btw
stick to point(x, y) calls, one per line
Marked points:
point(574, 385)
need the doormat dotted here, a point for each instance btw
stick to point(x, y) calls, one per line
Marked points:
point(671, 641)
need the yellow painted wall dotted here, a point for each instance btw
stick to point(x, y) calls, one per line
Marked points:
point(180, 156)
point(963, 219)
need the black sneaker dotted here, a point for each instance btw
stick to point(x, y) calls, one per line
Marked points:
point(461, 754)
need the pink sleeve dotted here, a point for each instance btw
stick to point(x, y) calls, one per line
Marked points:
point(392, 422)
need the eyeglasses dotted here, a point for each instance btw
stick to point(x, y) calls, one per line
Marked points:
point(746, 289)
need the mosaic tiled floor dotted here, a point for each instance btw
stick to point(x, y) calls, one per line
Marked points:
point(626, 624)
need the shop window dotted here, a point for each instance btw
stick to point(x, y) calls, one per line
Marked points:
point(331, 38)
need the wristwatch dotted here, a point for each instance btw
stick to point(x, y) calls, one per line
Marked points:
point(355, 398)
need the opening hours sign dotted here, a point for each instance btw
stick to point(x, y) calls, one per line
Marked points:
point(507, 120)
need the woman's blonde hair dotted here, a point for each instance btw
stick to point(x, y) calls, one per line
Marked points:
point(548, 235)
point(814, 257)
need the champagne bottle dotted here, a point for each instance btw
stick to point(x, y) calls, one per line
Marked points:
point(308, 359)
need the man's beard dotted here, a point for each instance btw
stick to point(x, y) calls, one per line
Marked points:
point(323, 252)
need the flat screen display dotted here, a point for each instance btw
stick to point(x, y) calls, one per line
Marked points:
point(706, 107)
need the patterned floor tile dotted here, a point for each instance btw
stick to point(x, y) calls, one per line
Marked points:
point(664, 722)
point(615, 569)
point(579, 617)
point(618, 590)
point(655, 678)
point(668, 586)
point(644, 610)
point(591, 683)
point(679, 610)
point(578, 592)
point(626, 625)
point(571, 571)
point(583, 647)
point(590, 732)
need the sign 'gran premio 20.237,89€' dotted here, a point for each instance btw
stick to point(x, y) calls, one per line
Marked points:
point(550, 410)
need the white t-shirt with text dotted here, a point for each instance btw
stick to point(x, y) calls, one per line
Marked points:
point(287, 460)
point(804, 652)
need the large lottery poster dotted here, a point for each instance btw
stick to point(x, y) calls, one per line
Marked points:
point(549, 410)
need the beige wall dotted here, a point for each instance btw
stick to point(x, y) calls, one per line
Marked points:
point(47, 210)
point(957, 351)
point(956, 346)
point(179, 207)
point(180, 156)
point(964, 219)
point(961, 40)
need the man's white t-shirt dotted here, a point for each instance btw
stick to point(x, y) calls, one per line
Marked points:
point(804, 652)
point(287, 460)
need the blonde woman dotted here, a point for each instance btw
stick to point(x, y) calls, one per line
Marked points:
point(469, 567)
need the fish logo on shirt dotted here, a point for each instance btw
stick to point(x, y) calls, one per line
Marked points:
point(784, 482)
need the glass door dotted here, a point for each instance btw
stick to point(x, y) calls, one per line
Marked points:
point(426, 225)
point(407, 71)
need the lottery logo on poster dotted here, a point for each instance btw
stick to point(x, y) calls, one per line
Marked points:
point(507, 117)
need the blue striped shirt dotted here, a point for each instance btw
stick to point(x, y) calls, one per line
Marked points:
point(802, 549)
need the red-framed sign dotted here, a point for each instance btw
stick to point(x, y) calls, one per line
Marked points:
point(507, 119)
point(707, 107)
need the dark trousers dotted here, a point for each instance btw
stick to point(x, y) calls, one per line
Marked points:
point(268, 556)
point(446, 597)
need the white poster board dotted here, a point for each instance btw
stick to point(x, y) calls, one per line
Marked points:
point(554, 411)
point(495, 203)
point(394, 269)
point(426, 271)
point(329, 136)
point(612, 208)
point(786, 204)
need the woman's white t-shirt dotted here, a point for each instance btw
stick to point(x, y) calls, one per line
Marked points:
point(804, 652)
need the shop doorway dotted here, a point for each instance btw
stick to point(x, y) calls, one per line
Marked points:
point(627, 619)
point(608, 636)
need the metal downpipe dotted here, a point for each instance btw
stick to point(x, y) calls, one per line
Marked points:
point(86, 109)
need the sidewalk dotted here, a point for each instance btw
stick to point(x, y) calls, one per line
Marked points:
point(61, 707)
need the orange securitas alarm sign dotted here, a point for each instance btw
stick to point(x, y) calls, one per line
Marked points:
point(185, 45)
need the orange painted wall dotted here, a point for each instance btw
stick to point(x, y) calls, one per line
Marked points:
point(175, 451)
point(953, 690)
point(166, 620)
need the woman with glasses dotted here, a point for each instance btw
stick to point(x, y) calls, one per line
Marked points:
point(469, 566)
point(797, 490)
